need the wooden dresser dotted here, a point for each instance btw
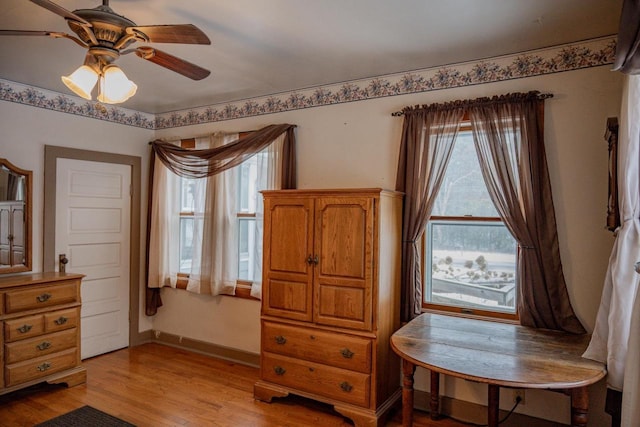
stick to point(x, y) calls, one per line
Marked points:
point(331, 299)
point(40, 339)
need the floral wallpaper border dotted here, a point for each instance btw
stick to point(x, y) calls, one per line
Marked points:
point(50, 100)
point(568, 57)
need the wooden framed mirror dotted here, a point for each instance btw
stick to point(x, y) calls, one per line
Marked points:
point(15, 218)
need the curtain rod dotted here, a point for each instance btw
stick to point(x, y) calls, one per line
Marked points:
point(497, 97)
point(209, 134)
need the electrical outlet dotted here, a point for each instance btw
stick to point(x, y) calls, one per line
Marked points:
point(518, 395)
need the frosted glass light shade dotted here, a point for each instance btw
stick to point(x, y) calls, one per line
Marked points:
point(81, 81)
point(115, 87)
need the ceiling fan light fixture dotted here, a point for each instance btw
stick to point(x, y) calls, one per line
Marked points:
point(82, 81)
point(115, 87)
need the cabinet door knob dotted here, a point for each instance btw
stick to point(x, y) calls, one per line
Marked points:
point(316, 260)
point(279, 370)
point(309, 260)
point(280, 340)
point(44, 345)
point(345, 386)
point(346, 353)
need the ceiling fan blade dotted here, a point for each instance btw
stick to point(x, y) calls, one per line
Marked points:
point(172, 63)
point(52, 34)
point(183, 33)
point(59, 10)
point(27, 33)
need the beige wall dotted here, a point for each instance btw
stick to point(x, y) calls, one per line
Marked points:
point(356, 145)
point(25, 132)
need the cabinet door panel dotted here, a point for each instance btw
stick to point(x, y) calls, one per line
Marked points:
point(288, 227)
point(342, 238)
point(287, 275)
point(343, 277)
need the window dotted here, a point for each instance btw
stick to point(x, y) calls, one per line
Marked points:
point(470, 256)
point(245, 182)
point(246, 208)
point(187, 223)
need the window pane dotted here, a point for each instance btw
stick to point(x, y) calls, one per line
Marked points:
point(186, 244)
point(247, 191)
point(187, 194)
point(246, 248)
point(463, 191)
point(472, 264)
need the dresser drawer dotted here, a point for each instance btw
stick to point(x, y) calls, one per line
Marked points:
point(28, 370)
point(23, 327)
point(40, 346)
point(61, 319)
point(334, 383)
point(40, 297)
point(342, 351)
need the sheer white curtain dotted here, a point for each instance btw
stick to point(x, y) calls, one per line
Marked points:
point(616, 337)
point(164, 258)
point(218, 260)
point(269, 176)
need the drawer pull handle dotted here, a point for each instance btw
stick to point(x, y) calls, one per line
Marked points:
point(313, 337)
point(280, 340)
point(60, 320)
point(44, 297)
point(44, 345)
point(25, 328)
point(279, 370)
point(44, 366)
point(345, 386)
point(346, 353)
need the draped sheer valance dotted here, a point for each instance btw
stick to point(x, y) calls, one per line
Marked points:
point(213, 180)
point(207, 162)
point(508, 134)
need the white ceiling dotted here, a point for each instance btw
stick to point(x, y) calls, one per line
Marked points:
point(262, 47)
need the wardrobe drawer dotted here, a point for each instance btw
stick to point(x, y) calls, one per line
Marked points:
point(61, 319)
point(334, 349)
point(43, 296)
point(40, 346)
point(333, 383)
point(28, 370)
point(23, 327)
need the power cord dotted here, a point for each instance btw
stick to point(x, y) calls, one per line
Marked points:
point(518, 400)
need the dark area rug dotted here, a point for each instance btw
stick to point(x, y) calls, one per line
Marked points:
point(85, 417)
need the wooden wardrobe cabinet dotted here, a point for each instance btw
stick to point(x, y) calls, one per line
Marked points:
point(331, 299)
point(40, 336)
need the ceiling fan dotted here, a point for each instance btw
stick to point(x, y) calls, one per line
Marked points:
point(107, 35)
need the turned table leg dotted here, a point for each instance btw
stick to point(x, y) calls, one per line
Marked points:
point(493, 408)
point(408, 370)
point(434, 405)
point(579, 406)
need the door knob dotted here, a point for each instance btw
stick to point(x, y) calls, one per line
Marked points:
point(62, 261)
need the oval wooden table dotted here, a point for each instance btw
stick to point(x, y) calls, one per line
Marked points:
point(498, 354)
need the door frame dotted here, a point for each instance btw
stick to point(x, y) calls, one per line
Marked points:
point(51, 155)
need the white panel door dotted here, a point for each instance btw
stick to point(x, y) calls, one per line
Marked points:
point(93, 203)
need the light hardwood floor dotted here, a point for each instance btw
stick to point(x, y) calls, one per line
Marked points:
point(156, 385)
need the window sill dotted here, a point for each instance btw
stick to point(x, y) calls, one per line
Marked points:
point(491, 317)
point(243, 288)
